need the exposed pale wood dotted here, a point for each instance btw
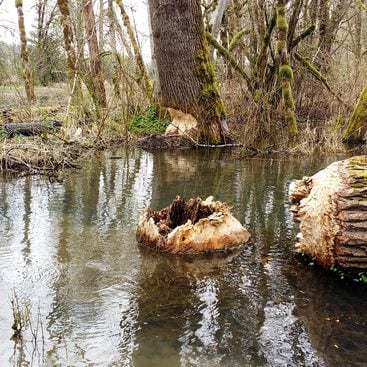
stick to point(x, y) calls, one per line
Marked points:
point(191, 226)
point(181, 122)
point(331, 207)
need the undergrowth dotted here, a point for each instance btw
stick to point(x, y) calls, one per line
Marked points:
point(147, 122)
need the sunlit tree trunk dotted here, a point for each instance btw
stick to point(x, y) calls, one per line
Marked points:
point(27, 74)
point(96, 67)
point(188, 85)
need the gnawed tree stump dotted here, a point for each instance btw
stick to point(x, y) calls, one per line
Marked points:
point(331, 207)
point(192, 226)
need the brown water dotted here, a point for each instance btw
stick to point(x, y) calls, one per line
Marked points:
point(97, 299)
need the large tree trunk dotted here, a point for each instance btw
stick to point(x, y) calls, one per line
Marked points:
point(188, 84)
point(27, 74)
point(331, 207)
point(357, 126)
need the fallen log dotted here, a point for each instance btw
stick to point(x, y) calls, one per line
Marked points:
point(192, 226)
point(331, 207)
point(30, 128)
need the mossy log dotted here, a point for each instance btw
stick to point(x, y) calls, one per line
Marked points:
point(331, 207)
point(192, 226)
point(29, 128)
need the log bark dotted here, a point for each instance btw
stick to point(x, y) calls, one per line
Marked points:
point(30, 128)
point(193, 226)
point(331, 207)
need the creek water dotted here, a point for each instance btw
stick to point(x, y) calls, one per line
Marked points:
point(68, 255)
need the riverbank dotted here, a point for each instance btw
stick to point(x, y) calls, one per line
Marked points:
point(53, 150)
point(50, 153)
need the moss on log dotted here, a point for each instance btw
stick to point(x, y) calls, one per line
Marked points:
point(192, 226)
point(331, 207)
point(29, 128)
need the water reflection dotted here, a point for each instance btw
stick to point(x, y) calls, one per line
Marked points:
point(70, 250)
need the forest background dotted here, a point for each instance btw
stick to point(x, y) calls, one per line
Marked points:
point(289, 72)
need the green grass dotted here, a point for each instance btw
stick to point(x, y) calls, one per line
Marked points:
point(147, 122)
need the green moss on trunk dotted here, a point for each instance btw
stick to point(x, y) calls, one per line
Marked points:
point(285, 70)
point(210, 100)
point(357, 126)
point(27, 74)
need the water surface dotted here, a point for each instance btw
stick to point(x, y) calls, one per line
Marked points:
point(98, 299)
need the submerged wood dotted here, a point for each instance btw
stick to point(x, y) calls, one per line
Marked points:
point(188, 226)
point(331, 207)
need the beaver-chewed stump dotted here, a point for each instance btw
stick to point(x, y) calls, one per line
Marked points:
point(192, 226)
point(331, 207)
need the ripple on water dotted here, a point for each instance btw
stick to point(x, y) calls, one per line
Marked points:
point(71, 248)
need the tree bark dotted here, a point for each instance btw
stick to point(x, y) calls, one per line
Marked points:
point(71, 58)
point(96, 67)
point(148, 88)
point(285, 70)
point(217, 16)
point(27, 74)
point(331, 207)
point(116, 76)
point(187, 77)
point(329, 23)
point(357, 126)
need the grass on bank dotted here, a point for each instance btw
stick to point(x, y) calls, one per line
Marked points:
point(121, 124)
point(53, 151)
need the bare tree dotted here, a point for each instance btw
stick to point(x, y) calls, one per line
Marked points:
point(27, 74)
point(96, 68)
point(285, 70)
point(71, 57)
point(148, 88)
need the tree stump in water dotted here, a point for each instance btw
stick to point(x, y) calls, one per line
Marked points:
point(331, 207)
point(192, 226)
